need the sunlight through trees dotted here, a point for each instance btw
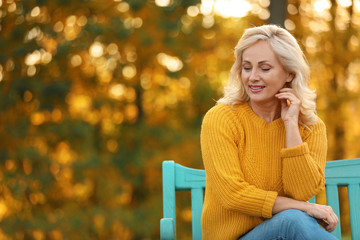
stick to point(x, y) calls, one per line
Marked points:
point(94, 95)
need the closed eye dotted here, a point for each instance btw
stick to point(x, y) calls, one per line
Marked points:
point(247, 68)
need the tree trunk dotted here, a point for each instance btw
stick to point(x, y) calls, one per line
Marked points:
point(277, 10)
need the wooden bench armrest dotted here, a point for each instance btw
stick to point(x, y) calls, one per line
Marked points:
point(167, 229)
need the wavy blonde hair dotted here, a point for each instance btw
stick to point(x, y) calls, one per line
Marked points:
point(291, 57)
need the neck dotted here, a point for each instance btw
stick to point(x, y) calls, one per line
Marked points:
point(269, 111)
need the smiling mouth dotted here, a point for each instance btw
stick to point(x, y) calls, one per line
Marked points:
point(256, 89)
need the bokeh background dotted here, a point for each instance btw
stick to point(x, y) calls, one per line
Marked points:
point(95, 94)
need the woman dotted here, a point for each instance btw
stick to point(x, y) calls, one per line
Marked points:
point(264, 148)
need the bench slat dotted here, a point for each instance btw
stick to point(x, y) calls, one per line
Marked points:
point(332, 198)
point(354, 202)
point(197, 199)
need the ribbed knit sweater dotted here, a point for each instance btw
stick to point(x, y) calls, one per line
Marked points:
point(248, 165)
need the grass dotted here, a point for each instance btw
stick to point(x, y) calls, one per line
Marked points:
point(345, 237)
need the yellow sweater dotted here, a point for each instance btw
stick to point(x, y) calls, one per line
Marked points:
point(247, 167)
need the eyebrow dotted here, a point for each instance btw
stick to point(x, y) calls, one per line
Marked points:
point(261, 62)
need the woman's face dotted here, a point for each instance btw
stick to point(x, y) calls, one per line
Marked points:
point(262, 73)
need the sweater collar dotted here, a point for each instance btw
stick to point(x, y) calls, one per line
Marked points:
point(261, 122)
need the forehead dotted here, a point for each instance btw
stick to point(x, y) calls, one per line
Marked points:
point(259, 52)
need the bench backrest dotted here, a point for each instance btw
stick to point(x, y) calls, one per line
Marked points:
point(337, 173)
point(344, 173)
point(175, 178)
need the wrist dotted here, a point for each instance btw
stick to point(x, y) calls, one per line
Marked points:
point(293, 122)
point(307, 207)
point(284, 203)
point(293, 136)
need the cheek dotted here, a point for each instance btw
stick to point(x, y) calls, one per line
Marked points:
point(280, 80)
point(279, 84)
point(243, 76)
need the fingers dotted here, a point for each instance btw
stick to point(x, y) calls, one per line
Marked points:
point(323, 223)
point(331, 219)
point(289, 96)
point(325, 216)
point(284, 104)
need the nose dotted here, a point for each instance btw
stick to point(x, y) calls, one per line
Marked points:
point(254, 75)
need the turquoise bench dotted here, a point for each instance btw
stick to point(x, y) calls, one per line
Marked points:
point(341, 173)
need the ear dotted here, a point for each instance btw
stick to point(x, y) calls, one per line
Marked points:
point(290, 77)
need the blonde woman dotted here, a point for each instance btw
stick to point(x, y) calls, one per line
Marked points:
point(264, 148)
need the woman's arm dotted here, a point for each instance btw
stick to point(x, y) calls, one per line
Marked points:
point(304, 165)
point(303, 162)
point(326, 216)
point(290, 110)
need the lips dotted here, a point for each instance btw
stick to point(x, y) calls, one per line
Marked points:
point(256, 88)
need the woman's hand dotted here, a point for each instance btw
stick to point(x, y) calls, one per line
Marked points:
point(325, 215)
point(290, 110)
point(290, 105)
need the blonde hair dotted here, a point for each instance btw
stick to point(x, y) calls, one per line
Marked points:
point(291, 57)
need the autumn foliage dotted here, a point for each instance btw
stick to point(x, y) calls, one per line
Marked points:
point(95, 94)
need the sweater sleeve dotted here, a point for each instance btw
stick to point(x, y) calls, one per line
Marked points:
point(219, 145)
point(304, 165)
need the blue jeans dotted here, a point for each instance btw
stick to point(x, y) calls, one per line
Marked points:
point(290, 224)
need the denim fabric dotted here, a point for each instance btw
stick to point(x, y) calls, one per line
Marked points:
point(290, 224)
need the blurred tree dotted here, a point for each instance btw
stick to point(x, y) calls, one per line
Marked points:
point(81, 145)
point(94, 95)
point(277, 10)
